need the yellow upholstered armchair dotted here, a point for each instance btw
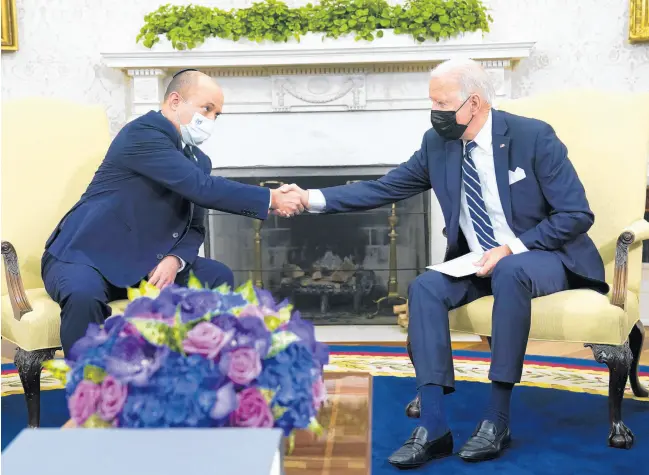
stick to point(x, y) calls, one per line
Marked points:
point(611, 159)
point(44, 172)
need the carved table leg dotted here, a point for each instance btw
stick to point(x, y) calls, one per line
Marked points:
point(29, 365)
point(618, 359)
point(636, 341)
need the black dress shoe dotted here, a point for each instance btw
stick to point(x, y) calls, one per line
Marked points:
point(486, 443)
point(413, 409)
point(418, 450)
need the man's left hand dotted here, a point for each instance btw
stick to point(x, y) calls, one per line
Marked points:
point(164, 273)
point(490, 259)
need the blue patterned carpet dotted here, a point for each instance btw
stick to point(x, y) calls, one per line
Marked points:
point(553, 431)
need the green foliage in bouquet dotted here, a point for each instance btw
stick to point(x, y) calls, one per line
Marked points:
point(272, 20)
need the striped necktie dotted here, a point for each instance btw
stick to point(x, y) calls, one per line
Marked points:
point(477, 209)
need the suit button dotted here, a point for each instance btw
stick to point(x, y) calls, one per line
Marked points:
point(159, 256)
point(175, 235)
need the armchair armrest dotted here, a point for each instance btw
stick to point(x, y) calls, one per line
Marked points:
point(19, 302)
point(636, 232)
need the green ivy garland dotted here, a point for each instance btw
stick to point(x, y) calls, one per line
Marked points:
point(188, 26)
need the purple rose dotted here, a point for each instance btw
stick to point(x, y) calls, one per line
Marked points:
point(206, 339)
point(133, 360)
point(113, 396)
point(255, 311)
point(83, 402)
point(252, 410)
point(241, 365)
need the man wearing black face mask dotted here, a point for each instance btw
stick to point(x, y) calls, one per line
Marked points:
point(507, 191)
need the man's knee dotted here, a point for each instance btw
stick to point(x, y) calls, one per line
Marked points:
point(430, 283)
point(214, 273)
point(84, 303)
point(510, 268)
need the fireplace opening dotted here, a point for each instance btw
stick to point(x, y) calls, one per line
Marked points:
point(337, 269)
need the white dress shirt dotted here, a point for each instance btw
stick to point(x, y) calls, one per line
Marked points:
point(483, 158)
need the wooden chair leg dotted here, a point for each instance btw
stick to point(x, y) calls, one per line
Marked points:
point(619, 360)
point(636, 342)
point(29, 365)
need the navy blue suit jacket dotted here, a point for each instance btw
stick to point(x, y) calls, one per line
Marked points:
point(146, 201)
point(547, 210)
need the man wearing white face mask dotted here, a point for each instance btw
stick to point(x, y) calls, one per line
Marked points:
point(142, 215)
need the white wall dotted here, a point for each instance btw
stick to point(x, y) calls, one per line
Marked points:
point(60, 42)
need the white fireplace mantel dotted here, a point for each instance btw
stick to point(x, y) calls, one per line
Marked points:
point(315, 49)
point(316, 74)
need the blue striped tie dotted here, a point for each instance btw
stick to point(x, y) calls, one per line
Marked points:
point(477, 208)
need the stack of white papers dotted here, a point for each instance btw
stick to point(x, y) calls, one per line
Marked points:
point(459, 267)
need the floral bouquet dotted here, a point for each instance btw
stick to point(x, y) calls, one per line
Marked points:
point(196, 357)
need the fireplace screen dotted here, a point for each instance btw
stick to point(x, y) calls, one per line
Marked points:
point(336, 269)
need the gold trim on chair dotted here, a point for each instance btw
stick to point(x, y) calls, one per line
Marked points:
point(638, 20)
point(9, 26)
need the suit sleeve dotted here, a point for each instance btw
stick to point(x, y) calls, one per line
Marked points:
point(408, 179)
point(570, 214)
point(149, 152)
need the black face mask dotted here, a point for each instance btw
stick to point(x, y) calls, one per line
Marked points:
point(445, 123)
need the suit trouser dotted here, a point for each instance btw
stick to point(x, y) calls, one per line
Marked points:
point(83, 293)
point(515, 280)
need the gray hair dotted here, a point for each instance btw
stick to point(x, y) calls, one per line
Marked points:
point(470, 76)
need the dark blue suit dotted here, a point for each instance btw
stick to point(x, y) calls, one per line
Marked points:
point(146, 201)
point(548, 211)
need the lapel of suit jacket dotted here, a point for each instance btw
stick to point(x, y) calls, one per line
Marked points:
point(453, 183)
point(501, 146)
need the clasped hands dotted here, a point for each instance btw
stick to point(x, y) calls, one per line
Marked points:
point(288, 200)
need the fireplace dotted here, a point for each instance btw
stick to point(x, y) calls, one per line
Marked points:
point(321, 112)
point(343, 269)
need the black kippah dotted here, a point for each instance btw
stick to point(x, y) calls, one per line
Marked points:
point(183, 71)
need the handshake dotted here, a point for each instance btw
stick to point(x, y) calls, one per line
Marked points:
point(288, 200)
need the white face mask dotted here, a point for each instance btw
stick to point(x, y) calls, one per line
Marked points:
point(198, 130)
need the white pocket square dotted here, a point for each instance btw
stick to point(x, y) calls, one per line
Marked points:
point(516, 175)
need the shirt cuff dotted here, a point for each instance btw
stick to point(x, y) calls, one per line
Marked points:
point(317, 201)
point(270, 199)
point(182, 263)
point(517, 246)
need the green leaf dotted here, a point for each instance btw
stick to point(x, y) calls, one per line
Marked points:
point(187, 26)
point(193, 282)
point(59, 369)
point(156, 333)
point(247, 291)
point(96, 422)
point(280, 341)
point(94, 374)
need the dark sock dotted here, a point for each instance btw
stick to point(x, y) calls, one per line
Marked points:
point(498, 409)
point(433, 417)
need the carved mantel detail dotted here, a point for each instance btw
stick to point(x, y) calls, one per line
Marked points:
point(313, 78)
point(318, 92)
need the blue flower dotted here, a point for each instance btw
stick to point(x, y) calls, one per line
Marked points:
point(200, 303)
point(306, 332)
point(90, 346)
point(134, 360)
point(184, 391)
